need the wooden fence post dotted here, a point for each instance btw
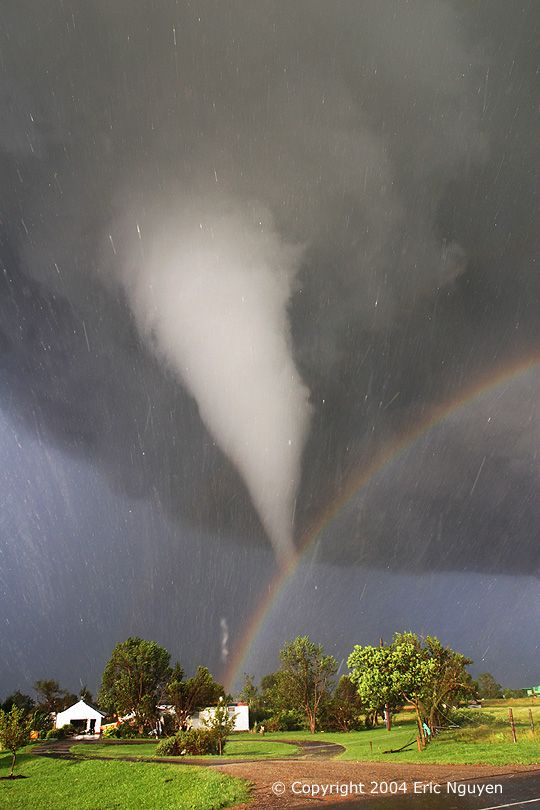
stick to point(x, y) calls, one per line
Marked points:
point(512, 724)
point(531, 721)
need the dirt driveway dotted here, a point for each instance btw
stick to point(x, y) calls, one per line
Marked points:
point(282, 774)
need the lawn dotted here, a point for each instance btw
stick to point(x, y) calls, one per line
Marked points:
point(469, 745)
point(249, 748)
point(55, 784)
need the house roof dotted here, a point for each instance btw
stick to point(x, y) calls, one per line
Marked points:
point(83, 705)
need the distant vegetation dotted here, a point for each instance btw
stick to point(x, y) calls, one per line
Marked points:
point(418, 675)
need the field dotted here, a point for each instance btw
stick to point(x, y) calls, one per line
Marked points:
point(489, 744)
point(112, 784)
point(55, 784)
point(482, 744)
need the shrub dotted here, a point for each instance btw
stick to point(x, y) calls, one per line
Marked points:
point(194, 742)
point(123, 731)
point(168, 747)
point(61, 733)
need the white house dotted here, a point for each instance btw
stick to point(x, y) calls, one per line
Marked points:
point(240, 712)
point(197, 719)
point(84, 717)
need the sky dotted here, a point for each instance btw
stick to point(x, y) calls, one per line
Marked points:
point(269, 303)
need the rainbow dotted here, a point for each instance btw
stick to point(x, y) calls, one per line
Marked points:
point(386, 455)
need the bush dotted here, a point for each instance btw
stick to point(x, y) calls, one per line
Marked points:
point(169, 747)
point(123, 731)
point(472, 717)
point(194, 742)
point(61, 733)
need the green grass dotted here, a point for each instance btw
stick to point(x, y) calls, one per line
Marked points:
point(249, 748)
point(470, 745)
point(55, 784)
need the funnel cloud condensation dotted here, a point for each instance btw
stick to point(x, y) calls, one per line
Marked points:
point(212, 298)
point(389, 151)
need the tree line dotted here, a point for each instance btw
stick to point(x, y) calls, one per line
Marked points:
point(419, 673)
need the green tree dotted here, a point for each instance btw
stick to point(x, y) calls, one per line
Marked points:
point(344, 710)
point(270, 698)
point(371, 669)
point(305, 677)
point(51, 697)
point(249, 693)
point(134, 679)
point(14, 731)
point(449, 680)
point(22, 701)
point(488, 687)
point(189, 695)
point(264, 702)
point(221, 723)
point(514, 693)
point(424, 675)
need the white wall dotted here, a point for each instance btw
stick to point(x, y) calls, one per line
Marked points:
point(79, 711)
point(240, 712)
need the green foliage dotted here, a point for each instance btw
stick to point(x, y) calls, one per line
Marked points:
point(449, 679)
point(52, 698)
point(41, 721)
point(264, 703)
point(169, 725)
point(14, 731)
point(191, 694)
point(488, 686)
point(193, 742)
point(371, 674)
point(515, 693)
point(169, 747)
point(221, 723)
point(285, 720)
point(344, 711)
point(423, 674)
point(24, 702)
point(304, 679)
point(61, 733)
point(249, 692)
point(134, 678)
point(123, 731)
point(238, 747)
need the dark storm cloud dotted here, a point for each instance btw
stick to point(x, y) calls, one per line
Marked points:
point(394, 144)
point(463, 496)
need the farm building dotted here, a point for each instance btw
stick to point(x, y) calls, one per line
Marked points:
point(85, 718)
